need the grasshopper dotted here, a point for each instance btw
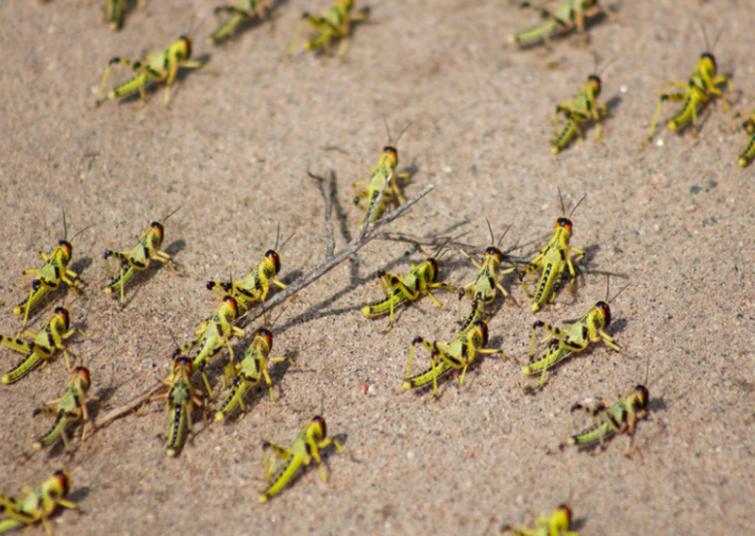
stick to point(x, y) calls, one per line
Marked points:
point(115, 11)
point(180, 399)
point(563, 19)
point(249, 372)
point(37, 504)
point(748, 153)
point(235, 16)
point(483, 288)
point(703, 84)
point(333, 25)
point(578, 113)
point(400, 290)
point(161, 66)
point(69, 409)
point(563, 343)
point(312, 439)
point(255, 285)
point(212, 335)
point(619, 418)
point(382, 177)
point(458, 354)
point(139, 257)
point(39, 347)
point(54, 270)
point(556, 524)
point(553, 259)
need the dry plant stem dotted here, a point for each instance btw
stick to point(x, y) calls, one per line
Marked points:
point(326, 189)
point(368, 233)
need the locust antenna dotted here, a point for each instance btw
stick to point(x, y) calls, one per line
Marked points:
point(561, 200)
point(65, 225)
point(82, 230)
point(286, 241)
point(505, 232)
point(490, 230)
point(574, 208)
point(165, 218)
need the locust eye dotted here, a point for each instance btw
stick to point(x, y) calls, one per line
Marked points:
point(595, 79)
point(483, 327)
point(392, 150)
point(564, 508)
point(62, 478)
point(182, 361)
point(187, 45)
point(66, 245)
point(644, 395)
point(495, 252)
point(321, 423)
point(273, 257)
point(230, 300)
point(606, 310)
point(265, 334)
point(708, 56)
point(62, 312)
point(564, 223)
point(84, 373)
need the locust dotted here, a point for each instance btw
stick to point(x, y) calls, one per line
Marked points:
point(333, 25)
point(55, 270)
point(552, 261)
point(154, 67)
point(212, 336)
point(180, 399)
point(458, 354)
point(488, 281)
point(254, 287)
point(249, 372)
point(37, 505)
point(748, 153)
point(69, 409)
point(382, 187)
point(139, 257)
point(39, 348)
point(609, 421)
point(307, 446)
point(556, 524)
point(233, 17)
point(703, 85)
point(565, 17)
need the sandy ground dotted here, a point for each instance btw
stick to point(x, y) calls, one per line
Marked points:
point(232, 150)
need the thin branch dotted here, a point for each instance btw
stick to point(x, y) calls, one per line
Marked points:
point(369, 233)
point(326, 189)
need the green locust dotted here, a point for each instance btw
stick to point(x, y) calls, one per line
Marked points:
point(333, 25)
point(552, 260)
point(255, 285)
point(54, 270)
point(563, 343)
point(379, 190)
point(38, 504)
point(556, 524)
point(562, 19)
point(578, 113)
point(139, 257)
point(213, 335)
point(180, 399)
point(115, 11)
point(400, 290)
point(235, 16)
point(306, 447)
point(701, 87)
point(248, 373)
point(38, 348)
point(619, 418)
point(458, 354)
point(483, 288)
point(155, 67)
point(69, 409)
point(748, 153)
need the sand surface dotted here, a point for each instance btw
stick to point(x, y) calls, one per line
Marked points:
point(232, 151)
